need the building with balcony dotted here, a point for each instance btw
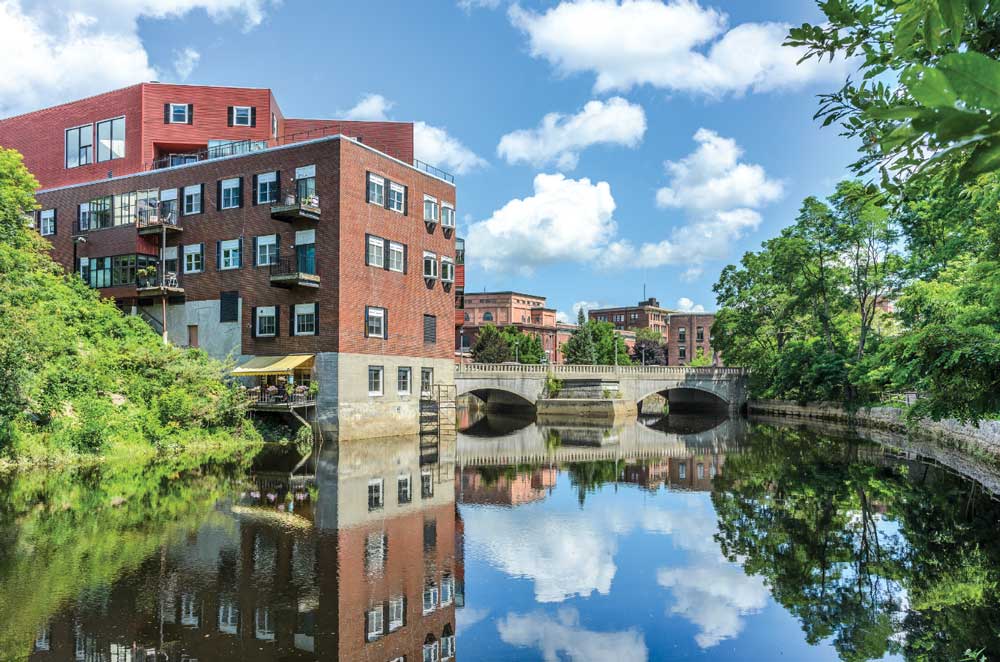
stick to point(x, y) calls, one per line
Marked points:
point(686, 334)
point(324, 254)
point(527, 312)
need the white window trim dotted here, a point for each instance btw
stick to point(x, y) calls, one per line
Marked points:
point(304, 309)
point(228, 185)
point(434, 261)
point(375, 311)
point(380, 183)
point(393, 248)
point(379, 392)
point(193, 190)
point(447, 276)
point(451, 222)
point(46, 222)
point(396, 623)
point(178, 105)
point(379, 254)
point(236, 114)
point(259, 316)
point(264, 178)
point(374, 616)
point(437, 209)
point(409, 381)
point(262, 242)
point(229, 246)
point(195, 250)
point(397, 188)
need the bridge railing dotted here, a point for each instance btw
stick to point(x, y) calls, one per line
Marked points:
point(557, 370)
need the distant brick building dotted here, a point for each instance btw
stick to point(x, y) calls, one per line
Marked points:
point(685, 333)
point(527, 312)
point(303, 249)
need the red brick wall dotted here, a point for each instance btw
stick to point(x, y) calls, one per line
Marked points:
point(406, 296)
point(393, 138)
point(340, 247)
point(41, 136)
point(690, 322)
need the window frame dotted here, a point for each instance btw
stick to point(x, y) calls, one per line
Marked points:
point(173, 109)
point(408, 371)
point(308, 310)
point(47, 224)
point(259, 317)
point(375, 251)
point(111, 138)
point(196, 194)
point(234, 202)
point(397, 193)
point(374, 617)
point(236, 115)
point(451, 216)
point(271, 180)
point(227, 248)
point(409, 489)
point(397, 604)
point(394, 248)
point(199, 253)
point(380, 371)
point(267, 241)
point(433, 260)
point(447, 275)
point(79, 146)
point(375, 312)
point(435, 207)
point(376, 183)
point(376, 482)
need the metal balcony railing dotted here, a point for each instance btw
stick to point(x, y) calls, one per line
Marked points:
point(433, 171)
point(156, 217)
point(292, 265)
point(167, 280)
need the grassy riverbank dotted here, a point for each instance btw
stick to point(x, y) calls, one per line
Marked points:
point(80, 382)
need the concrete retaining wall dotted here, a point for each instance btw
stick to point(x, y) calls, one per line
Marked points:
point(984, 439)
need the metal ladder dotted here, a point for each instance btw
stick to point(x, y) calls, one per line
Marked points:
point(437, 412)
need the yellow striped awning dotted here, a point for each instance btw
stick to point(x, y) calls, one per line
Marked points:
point(274, 365)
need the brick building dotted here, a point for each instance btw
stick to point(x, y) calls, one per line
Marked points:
point(684, 333)
point(527, 312)
point(323, 254)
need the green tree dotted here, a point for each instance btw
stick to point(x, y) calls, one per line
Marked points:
point(596, 343)
point(490, 346)
point(649, 352)
point(524, 347)
point(701, 359)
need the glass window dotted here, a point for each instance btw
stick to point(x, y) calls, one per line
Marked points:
point(430, 265)
point(241, 115)
point(396, 197)
point(397, 613)
point(267, 250)
point(448, 647)
point(178, 113)
point(229, 617)
point(305, 184)
point(374, 618)
point(100, 272)
point(426, 380)
point(430, 598)
point(375, 500)
point(229, 252)
point(447, 216)
point(267, 188)
point(699, 334)
point(375, 322)
point(682, 352)
point(168, 205)
point(682, 471)
point(682, 334)
point(375, 380)
point(403, 381)
point(447, 590)
point(263, 625)
point(447, 270)
point(47, 222)
point(231, 193)
point(111, 139)
point(194, 258)
point(79, 146)
point(430, 209)
point(430, 651)
point(403, 491)
point(376, 252)
point(426, 485)
point(305, 319)
point(397, 257)
point(376, 189)
point(192, 199)
point(124, 208)
point(266, 322)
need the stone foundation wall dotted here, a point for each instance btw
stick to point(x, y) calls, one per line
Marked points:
point(981, 439)
point(585, 408)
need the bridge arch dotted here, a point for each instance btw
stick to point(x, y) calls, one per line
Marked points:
point(690, 397)
point(500, 399)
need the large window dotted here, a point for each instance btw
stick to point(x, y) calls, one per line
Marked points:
point(230, 193)
point(305, 251)
point(194, 258)
point(397, 197)
point(266, 322)
point(447, 216)
point(47, 222)
point(168, 205)
point(305, 319)
point(375, 373)
point(430, 209)
point(114, 271)
point(111, 139)
point(430, 265)
point(305, 183)
point(447, 270)
point(267, 250)
point(267, 188)
point(397, 257)
point(376, 189)
point(192, 199)
point(79, 146)
point(375, 322)
point(229, 254)
point(376, 252)
point(403, 379)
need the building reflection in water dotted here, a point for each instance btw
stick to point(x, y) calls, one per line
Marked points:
point(357, 562)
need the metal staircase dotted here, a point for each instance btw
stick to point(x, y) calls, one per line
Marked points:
point(437, 412)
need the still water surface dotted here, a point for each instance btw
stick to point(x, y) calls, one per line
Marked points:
point(657, 540)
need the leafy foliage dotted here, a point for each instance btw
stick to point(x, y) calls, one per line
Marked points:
point(490, 346)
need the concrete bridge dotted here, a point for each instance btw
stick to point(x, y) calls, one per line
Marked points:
point(683, 386)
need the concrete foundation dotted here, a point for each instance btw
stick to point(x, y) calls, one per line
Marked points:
point(599, 409)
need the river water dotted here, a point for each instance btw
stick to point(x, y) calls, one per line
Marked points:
point(678, 538)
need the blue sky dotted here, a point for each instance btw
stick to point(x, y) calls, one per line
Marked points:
point(583, 207)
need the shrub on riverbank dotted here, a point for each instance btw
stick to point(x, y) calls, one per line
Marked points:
point(77, 377)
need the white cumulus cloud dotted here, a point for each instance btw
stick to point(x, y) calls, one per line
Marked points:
point(58, 51)
point(559, 138)
point(674, 45)
point(563, 220)
point(686, 305)
point(562, 638)
point(185, 61)
point(718, 195)
point(431, 144)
